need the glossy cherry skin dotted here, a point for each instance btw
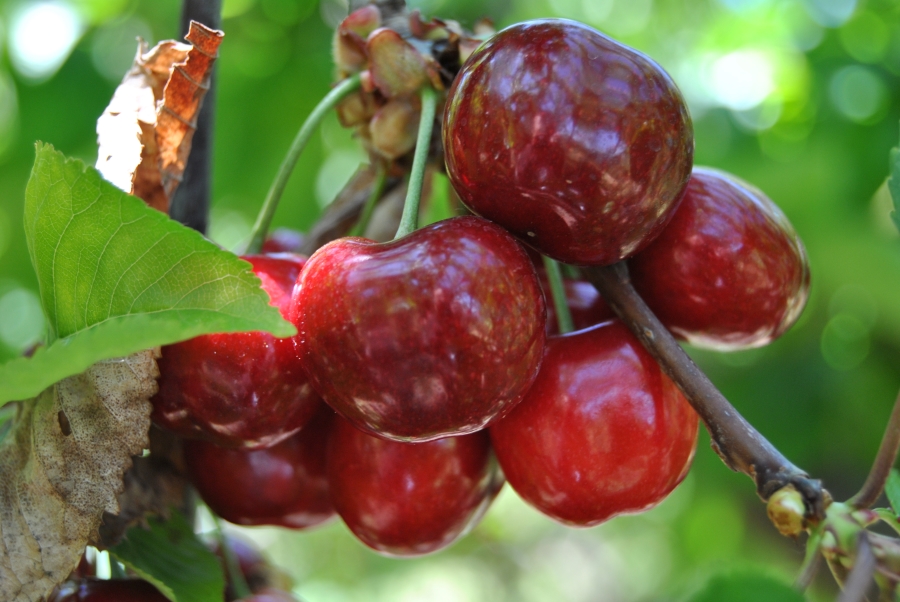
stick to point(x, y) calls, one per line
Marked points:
point(432, 335)
point(113, 590)
point(585, 304)
point(239, 389)
point(408, 499)
point(729, 272)
point(575, 143)
point(602, 432)
point(283, 485)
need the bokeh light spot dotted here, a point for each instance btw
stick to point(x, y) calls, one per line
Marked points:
point(42, 36)
point(859, 94)
point(23, 319)
point(115, 45)
point(742, 79)
point(845, 342)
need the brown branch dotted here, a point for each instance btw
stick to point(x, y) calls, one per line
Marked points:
point(190, 205)
point(740, 446)
point(884, 461)
point(860, 578)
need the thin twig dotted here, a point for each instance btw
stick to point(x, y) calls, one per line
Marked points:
point(860, 578)
point(190, 204)
point(884, 461)
point(740, 446)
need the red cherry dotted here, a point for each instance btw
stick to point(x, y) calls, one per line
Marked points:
point(729, 272)
point(407, 499)
point(283, 240)
point(114, 590)
point(432, 335)
point(239, 389)
point(585, 304)
point(602, 431)
point(575, 143)
point(283, 485)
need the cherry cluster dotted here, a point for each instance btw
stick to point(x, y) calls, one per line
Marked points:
point(429, 369)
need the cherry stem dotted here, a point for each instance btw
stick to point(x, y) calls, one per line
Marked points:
point(860, 577)
point(558, 290)
point(740, 446)
point(239, 585)
point(409, 221)
point(377, 190)
point(264, 219)
point(884, 461)
point(811, 561)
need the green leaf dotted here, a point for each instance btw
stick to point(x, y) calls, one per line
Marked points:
point(116, 277)
point(892, 490)
point(746, 586)
point(170, 556)
point(894, 184)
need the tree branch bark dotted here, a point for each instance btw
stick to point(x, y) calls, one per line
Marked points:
point(884, 461)
point(740, 446)
point(190, 204)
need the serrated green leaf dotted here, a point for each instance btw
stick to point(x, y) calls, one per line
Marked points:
point(746, 586)
point(892, 490)
point(894, 184)
point(170, 556)
point(116, 277)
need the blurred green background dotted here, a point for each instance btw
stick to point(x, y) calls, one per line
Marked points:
point(800, 97)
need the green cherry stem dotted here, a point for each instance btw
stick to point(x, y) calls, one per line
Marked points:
point(554, 276)
point(377, 190)
point(239, 584)
point(884, 461)
point(264, 219)
point(410, 219)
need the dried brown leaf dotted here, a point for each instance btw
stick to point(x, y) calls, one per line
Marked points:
point(61, 468)
point(145, 133)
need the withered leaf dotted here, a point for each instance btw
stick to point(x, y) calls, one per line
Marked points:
point(61, 468)
point(145, 133)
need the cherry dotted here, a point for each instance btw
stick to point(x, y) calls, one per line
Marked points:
point(282, 485)
point(433, 334)
point(729, 271)
point(602, 432)
point(113, 590)
point(406, 499)
point(238, 389)
point(585, 304)
point(575, 143)
point(283, 240)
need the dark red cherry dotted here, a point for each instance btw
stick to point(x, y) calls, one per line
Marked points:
point(575, 143)
point(729, 271)
point(113, 590)
point(283, 240)
point(239, 389)
point(432, 335)
point(283, 485)
point(585, 304)
point(406, 499)
point(602, 432)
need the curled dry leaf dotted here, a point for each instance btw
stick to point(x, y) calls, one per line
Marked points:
point(61, 468)
point(145, 133)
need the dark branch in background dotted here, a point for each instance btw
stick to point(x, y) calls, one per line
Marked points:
point(740, 446)
point(190, 205)
point(881, 468)
point(860, 578)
